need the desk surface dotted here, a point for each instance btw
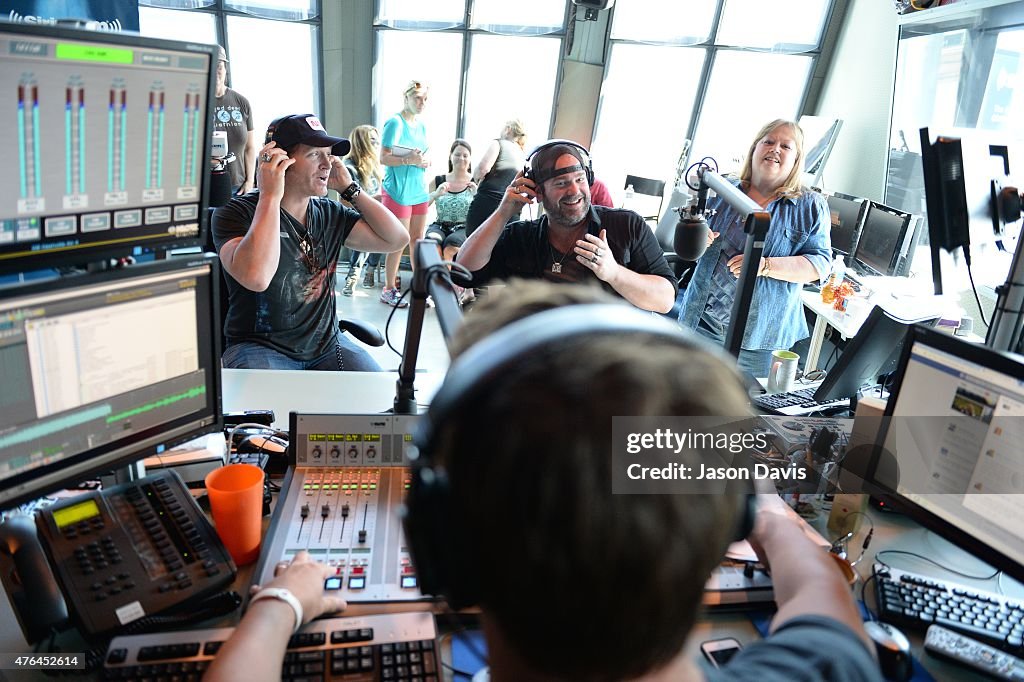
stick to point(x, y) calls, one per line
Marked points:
point(283, 391)
point(901, 297)
point(334, 392)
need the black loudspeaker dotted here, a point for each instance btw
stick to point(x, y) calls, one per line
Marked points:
point(588, 164)
point(439, 544)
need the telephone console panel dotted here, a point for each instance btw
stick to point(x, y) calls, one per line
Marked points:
point(340, 502)
point(132, 551)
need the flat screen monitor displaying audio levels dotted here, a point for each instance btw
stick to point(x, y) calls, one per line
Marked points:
point(102, 369)
point(106, 144)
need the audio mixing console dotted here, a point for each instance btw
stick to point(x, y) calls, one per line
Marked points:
point(340, 502)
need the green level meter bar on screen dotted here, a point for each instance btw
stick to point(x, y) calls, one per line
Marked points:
point(94, 53)
point(194, 392)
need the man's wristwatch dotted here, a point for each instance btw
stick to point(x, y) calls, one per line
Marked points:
point(351, 192)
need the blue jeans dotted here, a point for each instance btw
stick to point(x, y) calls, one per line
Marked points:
point(344, 356)
point(757, 362)
point(372, 260)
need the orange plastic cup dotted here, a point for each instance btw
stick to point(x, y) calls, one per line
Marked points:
point(236, 502)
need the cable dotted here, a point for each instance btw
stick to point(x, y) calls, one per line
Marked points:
point(442, 269)
point(387, 325)
point(863, 597)
point(970, 275)
point(878, 557)
point(703, 163)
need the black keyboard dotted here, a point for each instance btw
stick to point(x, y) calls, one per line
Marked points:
point(917, 601)
point(399, 646)
point(800, 401)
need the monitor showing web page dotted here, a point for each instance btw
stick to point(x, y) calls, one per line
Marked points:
point(954, 427)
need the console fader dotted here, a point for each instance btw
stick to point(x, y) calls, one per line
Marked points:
point(340, 502)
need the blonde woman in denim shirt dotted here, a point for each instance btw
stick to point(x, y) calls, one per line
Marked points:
point(797, 249)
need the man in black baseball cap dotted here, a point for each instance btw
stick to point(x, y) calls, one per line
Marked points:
point(280, 245)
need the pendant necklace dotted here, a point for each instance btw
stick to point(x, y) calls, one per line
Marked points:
point(307, 245)
point(556, 267)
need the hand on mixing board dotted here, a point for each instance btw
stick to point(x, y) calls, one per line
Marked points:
point(304, 578)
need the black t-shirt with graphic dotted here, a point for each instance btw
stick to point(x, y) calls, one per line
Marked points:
point(297, 313)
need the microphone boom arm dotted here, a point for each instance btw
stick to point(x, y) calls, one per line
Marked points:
point(756, 222)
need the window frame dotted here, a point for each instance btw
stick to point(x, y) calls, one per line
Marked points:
point(712, 49)
point(220, 12)
point(467, 33)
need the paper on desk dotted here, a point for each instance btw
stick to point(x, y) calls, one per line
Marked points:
point(742, 551)
point(910, 307)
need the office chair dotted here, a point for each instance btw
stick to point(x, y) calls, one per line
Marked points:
point(648, 188)
point(361, 331)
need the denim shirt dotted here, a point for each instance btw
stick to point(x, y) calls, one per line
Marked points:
point(799, 227)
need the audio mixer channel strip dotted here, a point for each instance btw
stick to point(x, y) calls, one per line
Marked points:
point(340, 502)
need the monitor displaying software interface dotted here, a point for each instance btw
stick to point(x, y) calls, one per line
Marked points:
point(98, 369)
point(955, 432)
point(106, 144)
point(883, 240)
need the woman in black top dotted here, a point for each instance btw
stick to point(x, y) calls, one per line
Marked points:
point(495, 170)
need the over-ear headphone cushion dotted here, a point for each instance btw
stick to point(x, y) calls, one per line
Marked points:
point(586, 162)
point(443, 557)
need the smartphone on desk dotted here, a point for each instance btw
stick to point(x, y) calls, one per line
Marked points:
point(720, 651)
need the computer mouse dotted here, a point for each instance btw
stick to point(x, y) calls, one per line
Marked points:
point(893, 649)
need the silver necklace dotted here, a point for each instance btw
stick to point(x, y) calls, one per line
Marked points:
point(307, 244)
point(557, 267)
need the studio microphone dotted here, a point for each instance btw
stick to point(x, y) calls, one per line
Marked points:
point(691, 237)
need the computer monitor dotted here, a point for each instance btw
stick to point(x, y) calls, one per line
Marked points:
point(105, 368)
point(886, 241)
point(872, 352)
point(107, 146)
point(820, 135)
point(846, 214)
point(952, 428)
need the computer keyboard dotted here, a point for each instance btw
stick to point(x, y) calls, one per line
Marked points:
point(800, 401)
point(918, 601)
point(400, 646)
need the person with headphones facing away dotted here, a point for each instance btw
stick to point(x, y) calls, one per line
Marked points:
point(280, 247)
point(511, 509)
point(573, 241)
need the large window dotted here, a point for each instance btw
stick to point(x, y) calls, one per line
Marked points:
point(484, 63)
point(715, 72)
point(277, 81)
point(957, 73)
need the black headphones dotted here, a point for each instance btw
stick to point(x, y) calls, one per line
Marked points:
point(441, 552)
point(587, 163)
point(271, 129)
